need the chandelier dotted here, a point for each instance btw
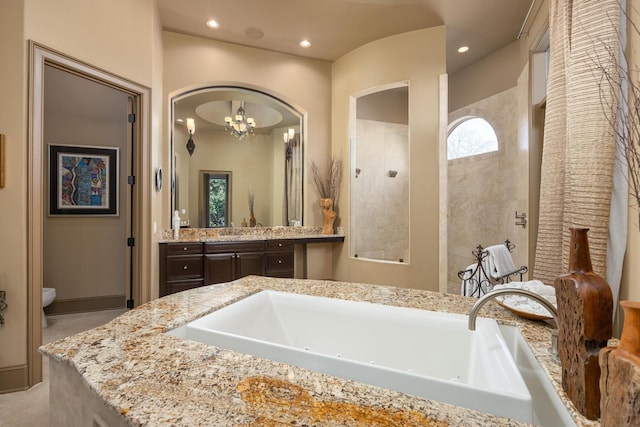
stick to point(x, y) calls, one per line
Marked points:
point(241, 125)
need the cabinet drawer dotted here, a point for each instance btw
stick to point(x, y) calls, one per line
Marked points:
point(184, 267)
point(184, 248)
point(279, 261)
point(279, 245)
point(233, 247)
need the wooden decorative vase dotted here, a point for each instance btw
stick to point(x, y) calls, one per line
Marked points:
point(585, 311)
point(329, 215)
point(620, 377)
point(252, 220)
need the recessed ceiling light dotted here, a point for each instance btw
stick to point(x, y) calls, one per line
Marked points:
point(463, 49)
point(305, 43)
point(212, 23)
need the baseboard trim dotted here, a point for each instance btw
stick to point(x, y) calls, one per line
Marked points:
point(14, 378)
point(83, 305)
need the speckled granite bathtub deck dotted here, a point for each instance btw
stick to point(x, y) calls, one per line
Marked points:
point(154, 379)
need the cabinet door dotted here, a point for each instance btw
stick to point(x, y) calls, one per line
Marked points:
point(219, 268)
point(249, 263)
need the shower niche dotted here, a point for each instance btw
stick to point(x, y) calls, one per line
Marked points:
point(379, 174)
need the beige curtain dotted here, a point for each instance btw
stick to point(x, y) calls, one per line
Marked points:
point(579, 146)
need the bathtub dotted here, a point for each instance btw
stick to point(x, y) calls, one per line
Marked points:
point(424, 353)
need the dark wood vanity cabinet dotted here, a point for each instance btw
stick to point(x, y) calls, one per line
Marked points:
point(180, 267)
point(227, 261)
point(189, 265)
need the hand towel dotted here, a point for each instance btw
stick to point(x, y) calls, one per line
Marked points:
point(500, 261)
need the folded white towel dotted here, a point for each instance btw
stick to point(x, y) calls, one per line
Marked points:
point(500, 261)
point(526, 304)
point(530, 285)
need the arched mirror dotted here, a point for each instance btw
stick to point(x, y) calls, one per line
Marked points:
point(237, 159)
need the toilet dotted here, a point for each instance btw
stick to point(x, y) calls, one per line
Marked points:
point(48, 295)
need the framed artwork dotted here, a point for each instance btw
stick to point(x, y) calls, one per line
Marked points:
point(2, 162)
point(83, 180)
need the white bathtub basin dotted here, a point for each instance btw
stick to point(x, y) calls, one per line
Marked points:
point(427, 354)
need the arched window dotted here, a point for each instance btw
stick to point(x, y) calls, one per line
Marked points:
point(469, 137)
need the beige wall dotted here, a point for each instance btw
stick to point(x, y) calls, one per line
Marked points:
point(13, 197)
point(121, 42)
point(304, 83)
point(417, 57)
point(493, 74)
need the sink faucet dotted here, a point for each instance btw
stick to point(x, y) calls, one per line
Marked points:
point(473, 314)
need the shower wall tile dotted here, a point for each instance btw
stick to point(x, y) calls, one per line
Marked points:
point(484, 191)
point(379, 203)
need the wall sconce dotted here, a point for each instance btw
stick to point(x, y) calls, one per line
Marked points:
point(191, 128)
point(288, 141)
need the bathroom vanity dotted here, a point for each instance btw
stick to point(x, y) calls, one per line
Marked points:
point(136, 371)
point(202, 257)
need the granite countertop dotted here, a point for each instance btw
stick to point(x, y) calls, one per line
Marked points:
point(155, 379)
point(298, 234)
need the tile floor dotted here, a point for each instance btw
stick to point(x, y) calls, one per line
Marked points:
point(30, 408)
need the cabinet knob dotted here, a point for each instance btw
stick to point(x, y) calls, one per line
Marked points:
point(279, 245)
point(185, 248)
point(279, 261)
point(184, 268)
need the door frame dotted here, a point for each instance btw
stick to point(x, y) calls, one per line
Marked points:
point(39, 56)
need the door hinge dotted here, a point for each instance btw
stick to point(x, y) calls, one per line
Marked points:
point(131, 180)
point(131, 241)
point(132, 118)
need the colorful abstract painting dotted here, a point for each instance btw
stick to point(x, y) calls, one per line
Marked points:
point(83, 180)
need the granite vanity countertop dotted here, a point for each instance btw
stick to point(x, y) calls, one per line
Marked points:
point(299, 234)
point(154, 379)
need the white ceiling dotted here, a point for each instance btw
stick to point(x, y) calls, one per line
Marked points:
point(336, 27)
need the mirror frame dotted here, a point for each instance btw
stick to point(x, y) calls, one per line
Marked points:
point(193, 90)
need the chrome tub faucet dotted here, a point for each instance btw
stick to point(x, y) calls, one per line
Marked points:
point(473, 314)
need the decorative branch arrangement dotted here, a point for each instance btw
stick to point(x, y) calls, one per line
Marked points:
point(328, 183)
point(623, 110)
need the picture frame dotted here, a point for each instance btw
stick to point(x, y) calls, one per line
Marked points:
point(83, 180)
point(2, 161)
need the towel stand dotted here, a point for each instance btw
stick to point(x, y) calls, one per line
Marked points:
point(479, 280)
